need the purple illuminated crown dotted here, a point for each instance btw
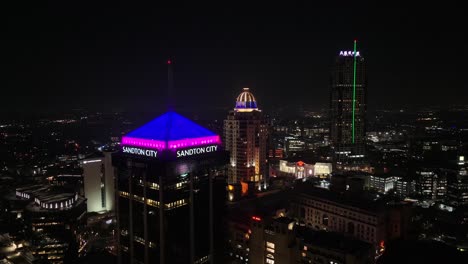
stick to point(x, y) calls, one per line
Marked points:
point(170, 131)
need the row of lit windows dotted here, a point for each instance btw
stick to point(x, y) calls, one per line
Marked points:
point(152, 185)
point(43, 252)
point(176, 204)
point(137, 198)
point(336, 210)
point(155, 186)
point(54, 245)
point(202, 260)
point(270, 248)
point(47, 224)
point(57, 205)
point(138, 239)
point(154, 203)
point(55, 257)
point(23, 195)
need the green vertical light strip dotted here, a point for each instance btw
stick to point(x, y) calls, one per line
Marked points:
point(354, 86)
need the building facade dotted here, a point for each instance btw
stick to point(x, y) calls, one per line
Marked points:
point(381, 182)
point(431, 183)
point(165, 202)
point(325, 210)
point(357, 214)
point(457, 184)
point(404, 188)
point(300, 169)
point(348, 106)
point(55, 216)
point(246, 137)
point(98, 177)
point(281, 240)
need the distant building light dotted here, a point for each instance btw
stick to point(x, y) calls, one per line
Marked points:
point(256, 218)
point(91, 161)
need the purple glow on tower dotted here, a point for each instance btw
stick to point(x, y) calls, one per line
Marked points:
point(191, 142)
point(170, 131)
point(172, 144)
point(140, 142)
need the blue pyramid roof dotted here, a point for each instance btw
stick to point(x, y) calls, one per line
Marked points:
point(171, 128)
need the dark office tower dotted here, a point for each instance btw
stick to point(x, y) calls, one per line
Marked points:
point(245, 137)
point(165, 202)
point(348, 107)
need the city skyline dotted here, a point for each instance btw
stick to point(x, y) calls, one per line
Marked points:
point(64, 57)
point(233, 132)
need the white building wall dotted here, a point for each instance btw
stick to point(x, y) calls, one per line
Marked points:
point(97, 187)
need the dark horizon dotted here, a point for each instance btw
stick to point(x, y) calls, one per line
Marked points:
point(112, 56)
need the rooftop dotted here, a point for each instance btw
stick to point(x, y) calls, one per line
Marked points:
point(246, 102)
point(170, 131)
point(366, 201)
point(334, 241)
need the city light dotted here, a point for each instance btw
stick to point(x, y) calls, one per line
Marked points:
point(256, 218)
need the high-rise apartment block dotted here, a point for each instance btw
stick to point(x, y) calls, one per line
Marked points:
point(245, 137)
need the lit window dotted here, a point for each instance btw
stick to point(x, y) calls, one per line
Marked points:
point(270, 245)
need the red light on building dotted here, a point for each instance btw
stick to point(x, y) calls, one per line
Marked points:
point(382, 246)
point(256, 218)
point(245, 187)
point(169, 61)
point(300, 163)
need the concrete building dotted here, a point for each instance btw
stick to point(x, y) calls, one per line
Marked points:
point(359, 214)
point(431, 183)
point(56, 216)
point(98, 177)
point(457, 184)
point(404, 188)
point(300, 169)
point(381, 182)
point(281, 240)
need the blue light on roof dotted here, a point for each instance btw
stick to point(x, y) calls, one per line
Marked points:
point(170, 130)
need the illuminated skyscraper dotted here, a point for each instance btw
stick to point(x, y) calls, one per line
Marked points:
point(245, 137)
point(98, 176)
point(348, 106)
point(164, 173)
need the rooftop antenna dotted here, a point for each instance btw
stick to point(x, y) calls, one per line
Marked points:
point(170, 85)
point(170, 108)
point(170, 102)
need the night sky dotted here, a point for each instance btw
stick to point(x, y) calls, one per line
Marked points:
point(111, 56)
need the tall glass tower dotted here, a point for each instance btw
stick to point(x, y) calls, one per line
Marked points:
point(348, 107)
point(164, 179)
